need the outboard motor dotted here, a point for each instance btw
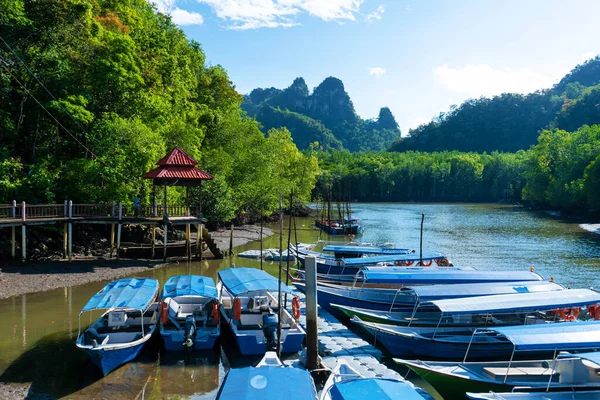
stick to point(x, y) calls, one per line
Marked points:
point(270, 322)
point(190, 332)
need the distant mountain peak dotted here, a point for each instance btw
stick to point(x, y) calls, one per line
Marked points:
point(326, 115)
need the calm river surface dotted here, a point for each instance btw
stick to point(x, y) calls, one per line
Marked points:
point(38, 331)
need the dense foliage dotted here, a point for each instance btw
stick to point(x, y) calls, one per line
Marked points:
point(511, 122)
point(326, 116)
point(93, 92)
point(417, 176)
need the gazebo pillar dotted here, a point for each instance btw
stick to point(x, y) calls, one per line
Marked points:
point(165, 226)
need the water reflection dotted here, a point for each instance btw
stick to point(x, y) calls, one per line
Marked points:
point(38, 330)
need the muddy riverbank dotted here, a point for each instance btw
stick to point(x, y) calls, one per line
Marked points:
point(18, 278)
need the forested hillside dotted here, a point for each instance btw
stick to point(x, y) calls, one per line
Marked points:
point(326, 116)
point(511, 122)
point(93, 92)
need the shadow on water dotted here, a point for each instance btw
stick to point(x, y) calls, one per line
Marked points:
point(56, 367)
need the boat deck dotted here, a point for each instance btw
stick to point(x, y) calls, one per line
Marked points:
point(336, 341)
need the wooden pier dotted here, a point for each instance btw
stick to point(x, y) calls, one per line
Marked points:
point(22, 215)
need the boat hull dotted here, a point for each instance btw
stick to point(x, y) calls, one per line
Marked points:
point(453, 387)
point(417, 347)
point(325, 298)
point(110, 359)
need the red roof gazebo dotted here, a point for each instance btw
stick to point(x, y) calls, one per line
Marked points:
point(177, 168)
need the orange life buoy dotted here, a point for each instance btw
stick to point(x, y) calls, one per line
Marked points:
point(426, 263)
point(594, 311)
point(408, 263)
point(216, 313)
point(569, 314)
point(296, 308)
point(237, 309)
point(164, 313)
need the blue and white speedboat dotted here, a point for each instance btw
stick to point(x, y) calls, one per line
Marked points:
point(189, 313)
point(250, 309)
point(128, 323)
point(527, 309)
point(270, 379)
point(345, 383)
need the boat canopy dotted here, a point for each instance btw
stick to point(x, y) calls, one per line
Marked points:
point(563, 335)
point(190, 285)
point(517, 302)
point(365, 250)
point(433, 292)
point(360, 389)
point(239, 281)
point(130, 293)
point(267, 383)
point(393, 257)
point(443, 276)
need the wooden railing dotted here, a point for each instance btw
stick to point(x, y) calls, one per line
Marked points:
point(25, 211)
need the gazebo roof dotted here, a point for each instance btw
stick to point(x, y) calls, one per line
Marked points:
point(175, 166)
point(177, 157)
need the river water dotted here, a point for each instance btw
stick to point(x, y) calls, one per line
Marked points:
point(38, 331)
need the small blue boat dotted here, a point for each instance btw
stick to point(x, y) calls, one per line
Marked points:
point(130, 320)
point(268, 380)
point(189, 313)
point(345, 383)
point(478, 343)
point(350, 266)
point(250, 309)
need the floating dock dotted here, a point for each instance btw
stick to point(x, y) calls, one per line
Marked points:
point(336, 341)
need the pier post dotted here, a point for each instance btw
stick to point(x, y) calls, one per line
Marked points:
point(188, 247)
point(70, 226)
point(13, 244)
point(23, 234)
point(112, 231)
point(312, 344)
point(119, 230)
point(65, 236)
point(153, 239)
point(165, 242)
point(198, 236)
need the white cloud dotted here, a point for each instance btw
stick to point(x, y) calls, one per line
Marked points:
point(253, 14)
point(377, 71)
point(178, 15)
point(587, 55)
point(484, 80)
point(183, 17)
point(376, 15)
point(407, 8)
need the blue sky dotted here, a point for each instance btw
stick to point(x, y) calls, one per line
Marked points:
point(417, 58)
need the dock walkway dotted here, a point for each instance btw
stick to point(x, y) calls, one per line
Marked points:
point(336, 341)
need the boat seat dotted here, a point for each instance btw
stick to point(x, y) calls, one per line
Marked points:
point(530, 373)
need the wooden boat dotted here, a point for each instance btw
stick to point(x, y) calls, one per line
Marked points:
point(415, 296)
point(189, 313)
point(541, 395)
point(565, 372)
point(250, 309)
point(270, 379)
point(345, 383)
point(478, 343)
point(128, 323)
